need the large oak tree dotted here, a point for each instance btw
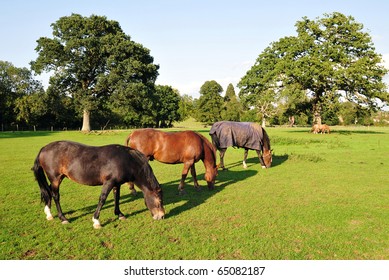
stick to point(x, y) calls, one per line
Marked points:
point(330, 58)
point(94, 61)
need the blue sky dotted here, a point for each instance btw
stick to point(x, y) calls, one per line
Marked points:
point(192, 41)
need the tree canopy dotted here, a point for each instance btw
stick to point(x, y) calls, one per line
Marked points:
point(232, 107)
point(95, 62)
point(210, 103)
point(331, 58)
point(19, 100)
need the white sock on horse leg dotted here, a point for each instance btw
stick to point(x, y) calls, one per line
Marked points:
point(96, 223)
point(48, 213)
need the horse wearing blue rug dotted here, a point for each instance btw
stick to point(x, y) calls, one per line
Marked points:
point(247, 135)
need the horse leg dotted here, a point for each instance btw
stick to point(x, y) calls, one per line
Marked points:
point(56, 196)
point(47, 211)
point(107, 187)
point(132, 188)
point(116, 192)
point(246, 151)
point(222, 152)
point(185, 171)
point(193, 172)
point(47, 208)
point(261, 159)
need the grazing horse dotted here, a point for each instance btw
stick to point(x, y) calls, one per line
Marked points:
point(315, 129)
point(187, 147)
point(110, 166)
point(325, 128)
point(250, 136)
point(322, 128)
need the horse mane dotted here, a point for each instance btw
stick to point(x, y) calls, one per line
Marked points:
point(144, 167)
point(209, 145)
point(265, 140)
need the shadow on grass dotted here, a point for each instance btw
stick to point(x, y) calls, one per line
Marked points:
point(191, 199)
point(349, 132)
point(108, 206)
point(276, 160)
point(337, 131)
point(22, 134)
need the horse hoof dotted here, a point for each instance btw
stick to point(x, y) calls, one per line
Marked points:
point(65, 222)
point(49, 218)
point(96, 223)
point(96, 226)
point(122, 218)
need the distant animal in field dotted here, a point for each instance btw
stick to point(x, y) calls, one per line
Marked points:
point(109, 166)
point(315, 129)
point(187, 147)
point(250, 136)
point(322, 128)
point(325, 129)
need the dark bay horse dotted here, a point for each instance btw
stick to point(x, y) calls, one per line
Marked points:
point(187, 147)
point(250, 136)
point(110, 166)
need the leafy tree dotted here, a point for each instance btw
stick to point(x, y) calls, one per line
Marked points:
point(330, 57)
point(186, 107)
point(93, 60)
point(232, 107)
point(166, 106)
point(30, 108)
point(210, 103)
point(294, 106)
point(17, 89)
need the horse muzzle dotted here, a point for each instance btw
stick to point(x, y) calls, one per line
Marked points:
point(159, 215)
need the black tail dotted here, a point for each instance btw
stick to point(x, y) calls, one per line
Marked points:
point(215, 141)
point(41, 178)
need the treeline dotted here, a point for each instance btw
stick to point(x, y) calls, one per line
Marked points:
point(26, 105)
point(100, 78)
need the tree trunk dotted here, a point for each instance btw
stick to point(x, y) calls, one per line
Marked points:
point(316, 114)
point(263, 122)
point(86, 121)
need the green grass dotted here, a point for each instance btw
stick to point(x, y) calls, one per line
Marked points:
point(325, 197)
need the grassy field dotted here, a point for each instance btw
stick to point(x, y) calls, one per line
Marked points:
point(325, 197)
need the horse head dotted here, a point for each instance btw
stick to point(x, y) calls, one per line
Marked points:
point(267, 158)
point(153, 201)
point(210, 176)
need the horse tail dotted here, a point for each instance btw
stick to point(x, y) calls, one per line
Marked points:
point(42, 182)
point(215, 141)
point(211, 146)
point(127, 140)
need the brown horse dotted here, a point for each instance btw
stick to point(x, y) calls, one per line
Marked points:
point(247, 135)
point(320, 128)
point(325, 129)
point(110, 166)
point(187, 147)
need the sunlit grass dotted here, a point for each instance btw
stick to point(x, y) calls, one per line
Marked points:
point(325, 197)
